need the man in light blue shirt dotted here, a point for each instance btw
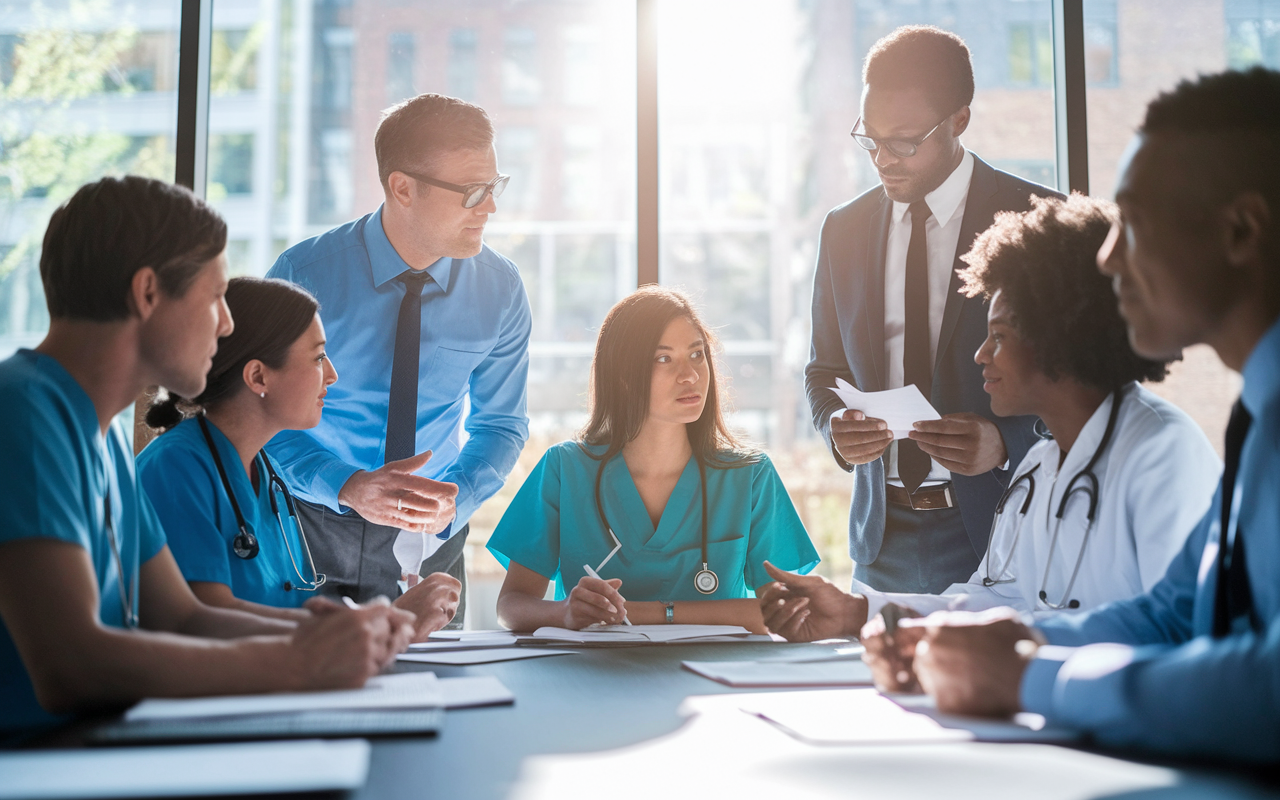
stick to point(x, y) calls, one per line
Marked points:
point(1193, 666)
point(429, 329)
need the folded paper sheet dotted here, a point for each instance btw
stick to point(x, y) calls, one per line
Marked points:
point(765, 674)
point(899, 408)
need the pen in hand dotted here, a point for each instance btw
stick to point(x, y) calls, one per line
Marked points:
point(593, 574)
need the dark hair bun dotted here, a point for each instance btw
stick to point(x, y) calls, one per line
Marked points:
point(163, 413)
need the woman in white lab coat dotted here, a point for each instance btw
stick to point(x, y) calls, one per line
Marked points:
point(1097, 509)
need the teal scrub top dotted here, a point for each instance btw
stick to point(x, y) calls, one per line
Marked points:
point(56, 472)
point(177, 472)
point(552, 527)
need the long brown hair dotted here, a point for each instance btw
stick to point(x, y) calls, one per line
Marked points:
point(622, 372)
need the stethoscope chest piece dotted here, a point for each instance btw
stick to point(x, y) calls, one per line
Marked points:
point(245, 545)
point(706, 581)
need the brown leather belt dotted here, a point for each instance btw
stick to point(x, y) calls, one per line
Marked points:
point(926, 498)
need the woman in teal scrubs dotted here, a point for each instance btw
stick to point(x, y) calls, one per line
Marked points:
point(270, 374)
point(657, 497)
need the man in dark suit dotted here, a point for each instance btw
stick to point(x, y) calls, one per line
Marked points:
point(887, 313)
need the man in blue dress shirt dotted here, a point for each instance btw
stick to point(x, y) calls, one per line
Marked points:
point(429, 329)
point(1193, 666)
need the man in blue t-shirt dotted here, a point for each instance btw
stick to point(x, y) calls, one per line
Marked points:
point(93, 610)
point(1192, 667)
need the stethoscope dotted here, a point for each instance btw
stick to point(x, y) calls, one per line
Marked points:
point(705, 580)
point(245, 544)
point(1085, 481)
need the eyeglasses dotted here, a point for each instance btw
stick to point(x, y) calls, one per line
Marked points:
point(902, 148)
point(473, 194)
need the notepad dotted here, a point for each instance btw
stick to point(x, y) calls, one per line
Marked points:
point(484, 639)
point(479, 656)
point(899, 408)
point(188, 770)
point(768, 674)
point(408, 690)
point(637, 634)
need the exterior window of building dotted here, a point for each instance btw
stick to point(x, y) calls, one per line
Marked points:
point(230, 164)
point(521, 85)
point(85, 91)
point(581, 65)
point(518, 157)
point(462, 63)
point(1253, 33)
point(233, 60)
point(400, 56)
point(1101, 60)
point(1030, 54)
point(582, 170)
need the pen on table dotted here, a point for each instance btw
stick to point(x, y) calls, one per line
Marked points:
point(349, 602)
point(593, 574)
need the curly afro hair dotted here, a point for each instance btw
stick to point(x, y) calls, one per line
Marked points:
point(1043, 262)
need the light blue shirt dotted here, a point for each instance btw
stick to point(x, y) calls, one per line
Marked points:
point(475, 345)
point(552, 527)
point(56, 472)
point(178, 474)
point(1167, 685)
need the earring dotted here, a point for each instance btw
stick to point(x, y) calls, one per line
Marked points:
point(263, 395)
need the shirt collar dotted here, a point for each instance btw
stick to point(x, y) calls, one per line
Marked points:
point(85, 411)
point(944, 201)
point(1091, 434)
point(1262, 372)
point(386, 263)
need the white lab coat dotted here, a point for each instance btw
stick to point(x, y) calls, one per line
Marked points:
point(1157, 480)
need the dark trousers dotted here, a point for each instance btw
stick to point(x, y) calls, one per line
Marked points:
point(356, 556)
point(924, 552)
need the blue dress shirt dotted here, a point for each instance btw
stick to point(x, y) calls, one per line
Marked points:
point(475, 344)
point(553, 528)
point(57, 469)
point(178, 473)
point(1165, 684)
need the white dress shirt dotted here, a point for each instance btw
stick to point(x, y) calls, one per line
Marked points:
point(942, 234)
point(1156, 481)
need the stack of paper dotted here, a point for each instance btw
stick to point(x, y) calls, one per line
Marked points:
point(480, 655)
point(195, 770)
point(770, 674)
point(637, 634)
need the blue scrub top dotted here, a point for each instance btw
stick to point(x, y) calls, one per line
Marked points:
point(177, 472)
point(552, 527)
point(56, 471)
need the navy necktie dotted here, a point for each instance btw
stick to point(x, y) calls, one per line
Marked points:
point(402, 410)
point(917, 361)
point(1233, 598)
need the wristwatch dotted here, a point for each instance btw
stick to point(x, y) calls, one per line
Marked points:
point(671, 611)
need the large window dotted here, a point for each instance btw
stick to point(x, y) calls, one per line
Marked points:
point(87, 88)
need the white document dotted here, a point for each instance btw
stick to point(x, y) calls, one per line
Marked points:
point(479, 656)
point(487, 639)
point(637, 634)
point(470, 691)
point(899, 408)
point(257, 768)
point(767, 674)
point(407, 690)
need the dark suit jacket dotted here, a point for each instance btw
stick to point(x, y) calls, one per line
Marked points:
point(848, 342)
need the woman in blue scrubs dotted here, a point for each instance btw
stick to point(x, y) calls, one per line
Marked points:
point(269, 375)
point(657, 497)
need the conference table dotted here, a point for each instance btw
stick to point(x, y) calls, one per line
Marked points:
point(607, 723)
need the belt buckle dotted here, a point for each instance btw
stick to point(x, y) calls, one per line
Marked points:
point(930, 504)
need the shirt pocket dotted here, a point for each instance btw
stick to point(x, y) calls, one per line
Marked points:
point(450, 372)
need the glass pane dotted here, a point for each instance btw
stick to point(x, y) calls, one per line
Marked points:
point(291, 155)
point(757, 98)
point(87, 89)
point(1152, 50)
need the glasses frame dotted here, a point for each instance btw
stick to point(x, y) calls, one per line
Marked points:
point(902, 148)
point(468, 191)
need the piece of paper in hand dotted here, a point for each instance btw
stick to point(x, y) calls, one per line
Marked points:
point(899, 408)
point(411, 548)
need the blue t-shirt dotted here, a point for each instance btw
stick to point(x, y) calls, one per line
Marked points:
point(553, 528)
point(177, 472)
point(56, 472)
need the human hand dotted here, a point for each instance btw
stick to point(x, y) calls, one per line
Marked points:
point(859, 439)
point(891, 656)
point(965, 443)
point(972, 663)
point(806, 608)
point(341, 648)
point(433, 601)
point(392, 495)
point(594, 600)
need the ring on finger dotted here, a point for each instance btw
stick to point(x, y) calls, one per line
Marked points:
point(399, 504)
